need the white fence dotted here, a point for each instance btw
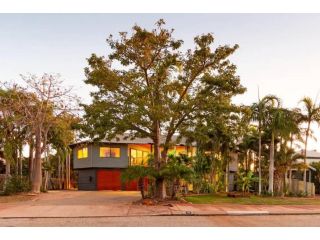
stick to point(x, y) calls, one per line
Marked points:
point(297, 187)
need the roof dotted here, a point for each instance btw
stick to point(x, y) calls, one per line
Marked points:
point(312, 154)
point(126, 139)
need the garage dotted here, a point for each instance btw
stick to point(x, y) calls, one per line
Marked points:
point(109, 179)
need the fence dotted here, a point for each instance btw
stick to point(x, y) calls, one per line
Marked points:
point(297, 187)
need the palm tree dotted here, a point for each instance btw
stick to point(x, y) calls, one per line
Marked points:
point(259, 111)
point(138, 172)
point(286, 160)
point(310, 113)
point(276, 121)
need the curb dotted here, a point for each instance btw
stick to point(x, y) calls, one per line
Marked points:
point(230, 214)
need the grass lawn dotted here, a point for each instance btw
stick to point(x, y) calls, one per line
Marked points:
point(252, 200)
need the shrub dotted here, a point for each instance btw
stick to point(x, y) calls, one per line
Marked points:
point(17, 184)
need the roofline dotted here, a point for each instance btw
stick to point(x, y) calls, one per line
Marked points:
point(120, 142)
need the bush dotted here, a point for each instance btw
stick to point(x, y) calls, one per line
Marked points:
point(17, 184)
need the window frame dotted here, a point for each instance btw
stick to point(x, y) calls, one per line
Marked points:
point(143, 158)
point(109, 151)
point(81, 150)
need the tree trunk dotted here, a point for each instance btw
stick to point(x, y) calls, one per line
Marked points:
point(290, 180)
point(68, 171)
point(227, 176)
point(271, 165)
point(20, 160)
point(59, 172)
point(141, 187)
point(37, 176)
point(8, 168)
point(16, 158)
point(305, 159)
point(285, 184)
point(31, 148)
point(63, 175)
point(160, 184)
point(259, 159)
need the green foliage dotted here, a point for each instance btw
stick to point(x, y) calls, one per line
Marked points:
point(139, 173)
point(17, 184)
point(246, 180)
point(136, 172)
point(177, 168)
point(316, 176)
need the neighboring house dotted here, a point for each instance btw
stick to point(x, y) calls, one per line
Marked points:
point(297, 175)
point(99, 164)
point(312, 156)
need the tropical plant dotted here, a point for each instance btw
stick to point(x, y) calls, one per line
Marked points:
point(245, 180)
point(138, 173)
point(176, 170)
point(259, 111)
point(310, 112)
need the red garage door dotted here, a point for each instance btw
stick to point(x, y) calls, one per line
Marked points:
point(108, 179)
point(133, 185)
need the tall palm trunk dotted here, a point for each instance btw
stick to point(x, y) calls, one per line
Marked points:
point(271, 165)
point(259, 159)
point(305, 159)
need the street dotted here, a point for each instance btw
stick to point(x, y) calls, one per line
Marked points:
point(168, 221)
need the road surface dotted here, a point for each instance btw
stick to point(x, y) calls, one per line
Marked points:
point(169, 221)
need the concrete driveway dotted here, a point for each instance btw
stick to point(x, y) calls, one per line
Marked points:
point(65, 198)
point(72, 204)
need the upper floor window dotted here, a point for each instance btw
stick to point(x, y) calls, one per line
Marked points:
point(82, 153)
point(109, 152)
point(138, 157)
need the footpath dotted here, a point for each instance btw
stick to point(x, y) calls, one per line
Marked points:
point(127, 209)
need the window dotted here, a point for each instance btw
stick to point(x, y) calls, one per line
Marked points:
point(138, 157)
point(82, 153)
point(109, 152)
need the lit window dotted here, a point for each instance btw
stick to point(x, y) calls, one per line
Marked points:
point(115, 152)
point(82, 153)
point(138, 157)
point(145, 156)
point(109, 152)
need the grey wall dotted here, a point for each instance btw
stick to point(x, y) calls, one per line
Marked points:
point(87, 179)
point(84, 162)
point(95, 161)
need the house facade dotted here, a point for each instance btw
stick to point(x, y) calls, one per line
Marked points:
point(100, 164)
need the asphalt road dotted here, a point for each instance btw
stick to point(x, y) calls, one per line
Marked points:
point(168, 221)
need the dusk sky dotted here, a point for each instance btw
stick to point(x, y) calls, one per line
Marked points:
point(280, 53)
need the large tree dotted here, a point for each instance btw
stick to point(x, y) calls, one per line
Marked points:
point(41, 101)
point(149, 87)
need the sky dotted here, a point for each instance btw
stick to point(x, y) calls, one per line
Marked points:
point(279, 53)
